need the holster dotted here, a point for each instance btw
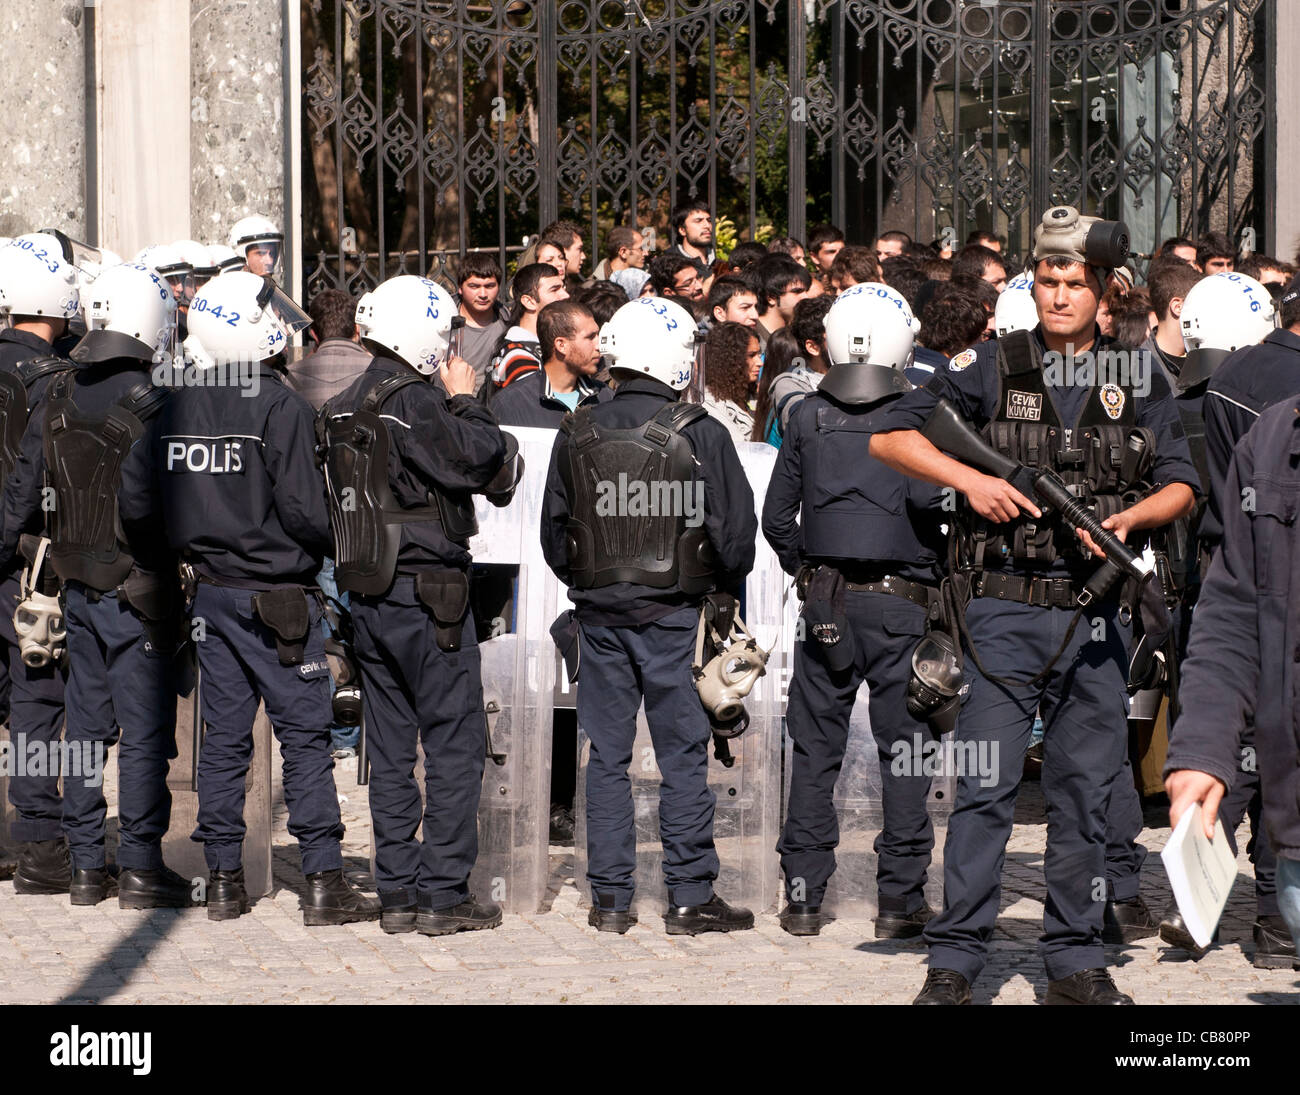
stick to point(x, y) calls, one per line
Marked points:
point(154, 597)
point(445, 593)
point(825, 619)
point(284, 610)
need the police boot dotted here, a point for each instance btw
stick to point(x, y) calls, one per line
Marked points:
point(398, 920)
point(8, 864)
point(153, 888)
point(44, 866)
point(1127, 921)
point(1086, 987)
point(895, 925)
point(90, 886)
point(227, 898)
point(332, 899)
point(943, 987)
point(801, 919)
point(1174, 932)
point(715, 915)
point(1274, 947)
point(468, 916)
point(611, 920)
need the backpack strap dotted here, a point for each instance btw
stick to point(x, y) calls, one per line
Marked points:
point(386, 387)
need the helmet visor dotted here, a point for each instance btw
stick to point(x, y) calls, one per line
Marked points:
point(282, 307)
point(262, 257)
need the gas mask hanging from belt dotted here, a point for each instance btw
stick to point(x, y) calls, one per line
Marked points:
point(38, 619)
point(937, 684)
point(735, 662)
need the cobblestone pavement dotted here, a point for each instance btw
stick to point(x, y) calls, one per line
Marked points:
point(51, 952)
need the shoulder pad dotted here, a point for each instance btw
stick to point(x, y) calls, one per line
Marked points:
point(144, 400)
point(677, 416)
point(29, 372)
point(386, 387)
point(575, 420)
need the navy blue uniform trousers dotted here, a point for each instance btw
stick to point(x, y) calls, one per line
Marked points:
point(620, 666)
point(35, 702)
point(239, 666)
point(119, 686)
point(413, 692)
point(885, 630)
point(1084, 710)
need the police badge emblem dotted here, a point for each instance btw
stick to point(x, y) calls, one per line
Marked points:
point(958, 363)
point(1112, 400)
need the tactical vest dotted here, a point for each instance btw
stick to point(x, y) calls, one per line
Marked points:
point(83, 462)
point(15, 405)
point(1092, 456)
point(627, 493)
point(365, 516)
point(853, 507)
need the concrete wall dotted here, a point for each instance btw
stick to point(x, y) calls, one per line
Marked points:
point(237, 140)
point(43, 117)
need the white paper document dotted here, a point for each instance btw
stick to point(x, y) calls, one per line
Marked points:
point(1200, 873)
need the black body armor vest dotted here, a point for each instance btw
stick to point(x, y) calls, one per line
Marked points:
point(15, 407)
point(626, 490)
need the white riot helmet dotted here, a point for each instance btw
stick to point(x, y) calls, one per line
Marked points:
point(35, 281)
point(1222, 313)
point(130, 312)
point(165, 260)
point(653, 336)
point(241, 319)
point(224, 258)
point(870, 331)
point(411, 317)
point(200, 261)
point(1016, 310)
point(262, 234)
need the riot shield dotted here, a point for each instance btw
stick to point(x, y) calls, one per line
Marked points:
point(518, 672)
point(185, 856)
point(6, 810)
point(746, 820)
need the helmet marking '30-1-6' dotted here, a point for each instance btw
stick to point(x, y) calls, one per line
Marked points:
point(1222, 313)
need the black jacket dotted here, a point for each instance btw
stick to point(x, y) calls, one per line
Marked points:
point(528, 402)
point(1244, 651)
point(728, 512)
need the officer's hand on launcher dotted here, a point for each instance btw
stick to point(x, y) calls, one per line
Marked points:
point(997, 500)
point(1186, 787)
point(457, 376)
point(1120, 524)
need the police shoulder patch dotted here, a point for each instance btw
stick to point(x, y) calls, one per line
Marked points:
point(1112, 400)
point(961, 361)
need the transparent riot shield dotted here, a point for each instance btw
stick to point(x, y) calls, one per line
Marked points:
point(185, 856)
point(852, 889)
point(518, 666)
point(747, 815)
point(6, 810)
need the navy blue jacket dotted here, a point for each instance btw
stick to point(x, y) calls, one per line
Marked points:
point(972, 387)
point(528, 402)
point(1244, 651)
point(728, 512)
point(878, 514)
point(433, 442)
point(97, 388)
point(241, 490)
point(1243, 385)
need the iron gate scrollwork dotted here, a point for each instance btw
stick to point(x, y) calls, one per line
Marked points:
point(433, 127)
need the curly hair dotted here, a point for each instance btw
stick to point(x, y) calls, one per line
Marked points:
point(726, 371)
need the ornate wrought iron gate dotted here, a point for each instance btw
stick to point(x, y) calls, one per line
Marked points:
point(433, 127)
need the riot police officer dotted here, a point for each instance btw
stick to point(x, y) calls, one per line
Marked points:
point(245, 505)
point(257, 241)
point(404, 458)
point(1039, 400)
point(871, 538)
point(106, 544)
point(637, 583)
point(38, 296)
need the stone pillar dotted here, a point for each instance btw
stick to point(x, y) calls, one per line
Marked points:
point(1285, 226)
point(43, 107)
point(237, 133)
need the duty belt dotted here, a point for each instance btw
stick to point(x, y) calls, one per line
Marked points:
point(1044, 592)
point(915, 592)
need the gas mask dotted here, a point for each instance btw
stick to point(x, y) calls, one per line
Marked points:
point(38, 620)
point(734, 665)
point(937, 684)
point(346, 702)
point(1089, 240)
